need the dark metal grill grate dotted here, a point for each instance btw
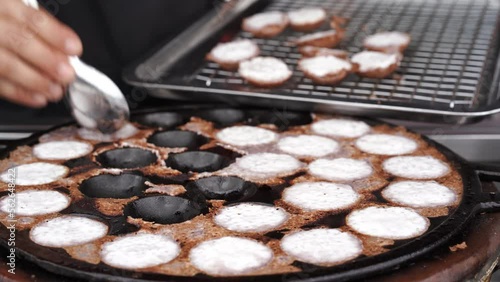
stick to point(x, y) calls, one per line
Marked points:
point(444, 66)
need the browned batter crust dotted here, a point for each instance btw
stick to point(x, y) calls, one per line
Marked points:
point(225, 64)
point(326, 41)
point(312, 51)
point(306, 27)
point(389, 49)
point(329, 79)
point(378, 73)
point(266, 32)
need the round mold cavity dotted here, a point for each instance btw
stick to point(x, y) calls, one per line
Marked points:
point(228, 188)
point(231, 155)
point(223, 117)
point(113, 186)
point(126, 158)
point(163, 209)
point(196, 161)
point(177, 139)
point(165, 120)
point(282, 120)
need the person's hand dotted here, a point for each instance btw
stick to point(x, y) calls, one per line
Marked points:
point(34, 49)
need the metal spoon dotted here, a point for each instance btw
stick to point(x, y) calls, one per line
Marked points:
point(94, 99)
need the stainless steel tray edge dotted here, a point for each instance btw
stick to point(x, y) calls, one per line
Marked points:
point(176, 92)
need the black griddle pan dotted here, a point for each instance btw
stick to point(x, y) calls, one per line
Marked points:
point(440, 234)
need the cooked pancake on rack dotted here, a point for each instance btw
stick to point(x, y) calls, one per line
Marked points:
point(225, 193)
point(268, 24)
point(312, 51)
point(265, 71)
point(307, 19)
point(388, 42)
point(376, 64)
point(229, 55)
point(326, 39)
point(325, 69)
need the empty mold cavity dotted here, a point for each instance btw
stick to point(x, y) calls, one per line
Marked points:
point(196, 161)
point(282, 120)
point(228, 188)
point(177, 139)
point(126, 158)
point(165, 120)
point(113, 186)
point(164, 209)
point(223, 117)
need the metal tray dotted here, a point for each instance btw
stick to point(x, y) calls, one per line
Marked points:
point(450, 72)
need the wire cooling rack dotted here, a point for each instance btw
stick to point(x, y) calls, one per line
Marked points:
point(450, 68)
